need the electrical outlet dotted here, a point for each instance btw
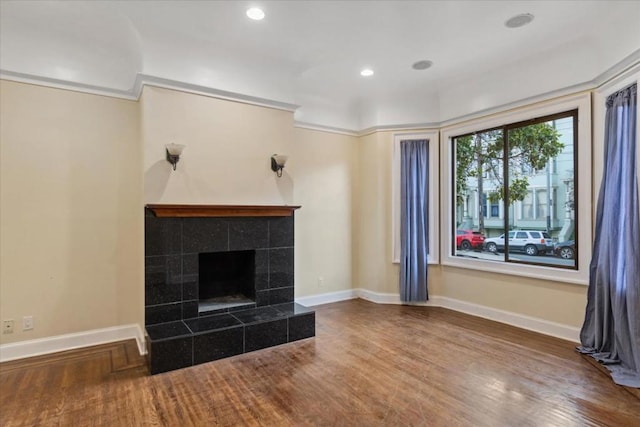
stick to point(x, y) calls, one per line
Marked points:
point(320, 281)
point(27, 323)
point(7, 326)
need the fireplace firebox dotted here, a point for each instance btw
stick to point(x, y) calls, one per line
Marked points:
point(226, 280)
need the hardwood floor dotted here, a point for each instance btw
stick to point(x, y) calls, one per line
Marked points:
point(368, 365)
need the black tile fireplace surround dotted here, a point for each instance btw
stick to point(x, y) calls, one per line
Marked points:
point(183, 330)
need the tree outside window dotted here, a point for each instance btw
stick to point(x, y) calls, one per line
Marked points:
point(537, 158)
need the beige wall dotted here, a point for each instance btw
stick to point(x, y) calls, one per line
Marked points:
point(325, 185)
point(552, 301)
point(76, 170)
point(227, 154)
point(375, 270)
point(227, 161)
point(73, 167)
point(71, 252)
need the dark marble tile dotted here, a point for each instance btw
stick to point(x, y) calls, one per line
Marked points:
point(189, 290)
point(212, 311)
point(262, 298)
point(190, 276)
point(281, 232)
point(170, 354)
point(262, 269)
point(257, 315)
point(293, 309)
point(162, 279)
point(162, 313)
point(212, 323)
point(167, 330)
point(241, 307)
point(205, 235)
point(190, 309)
point(302, 326)
point(162, 236)
point(281, 267)
point(281, 295)
point(250, 233)
point(265, 334)
point(217, 345)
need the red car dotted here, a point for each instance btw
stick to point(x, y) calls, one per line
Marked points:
point(469, 239)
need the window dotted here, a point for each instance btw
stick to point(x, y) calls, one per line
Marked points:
point(495, 209)
point(521, 169)
point(434, 195)
point(520, 152)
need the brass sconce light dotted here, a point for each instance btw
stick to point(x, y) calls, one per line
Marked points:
point(173, 153)
point(277, 163)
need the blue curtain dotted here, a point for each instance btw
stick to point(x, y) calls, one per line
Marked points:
point(414, 210)
point(611, 330)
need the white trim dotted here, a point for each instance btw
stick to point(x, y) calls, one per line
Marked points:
point(69, 85)
point(546, 327)
point(311, 300)
point(37, 347)
point(142, 80)
point(623, 69)
point(626, 65)
point(581, 102)
point(535, 324)
point(599, 114)
point(323, 128)
point(399, 128)
point(433, 136)
point(55, 344)
point(148, 80)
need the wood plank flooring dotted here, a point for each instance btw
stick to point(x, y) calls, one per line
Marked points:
point(369, 365)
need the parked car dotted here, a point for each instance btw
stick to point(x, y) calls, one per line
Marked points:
point(469, 239)
point(565, 250)
point(531, 242)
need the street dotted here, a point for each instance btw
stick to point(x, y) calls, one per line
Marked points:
point(538, 259)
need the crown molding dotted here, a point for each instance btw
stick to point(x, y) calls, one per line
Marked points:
point(149, 80)
point(323, 128)
point(142, 80)
point(628, 65)
point(68, 85)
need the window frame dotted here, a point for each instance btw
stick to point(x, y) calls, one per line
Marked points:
point(507, 119)
point(434, 194)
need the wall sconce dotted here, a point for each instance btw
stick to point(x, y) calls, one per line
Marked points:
point(277, 163)
point(173, 153)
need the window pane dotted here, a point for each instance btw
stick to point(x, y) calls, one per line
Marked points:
point(479, 173)
point(541, 175)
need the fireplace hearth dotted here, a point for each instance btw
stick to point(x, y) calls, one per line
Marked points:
point(218, 282)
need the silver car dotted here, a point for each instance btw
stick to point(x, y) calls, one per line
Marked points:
point(531, 242)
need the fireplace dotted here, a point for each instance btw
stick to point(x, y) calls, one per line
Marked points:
point(219, 281)
point(226, 280)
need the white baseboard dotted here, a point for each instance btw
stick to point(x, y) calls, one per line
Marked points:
point(59, 343)
point(327, 298)
point(37, 347)
point(546, 327)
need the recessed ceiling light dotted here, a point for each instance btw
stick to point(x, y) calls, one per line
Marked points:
point(366, 72)
point(422, 65)
point(255, 13)
point(519, 20)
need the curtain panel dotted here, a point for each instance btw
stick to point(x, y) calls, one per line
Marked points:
point(414, 220)
point(611, 330)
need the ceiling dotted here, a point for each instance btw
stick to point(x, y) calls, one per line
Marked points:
point(310, 53)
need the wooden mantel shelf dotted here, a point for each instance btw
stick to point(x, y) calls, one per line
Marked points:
point(208, 211)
